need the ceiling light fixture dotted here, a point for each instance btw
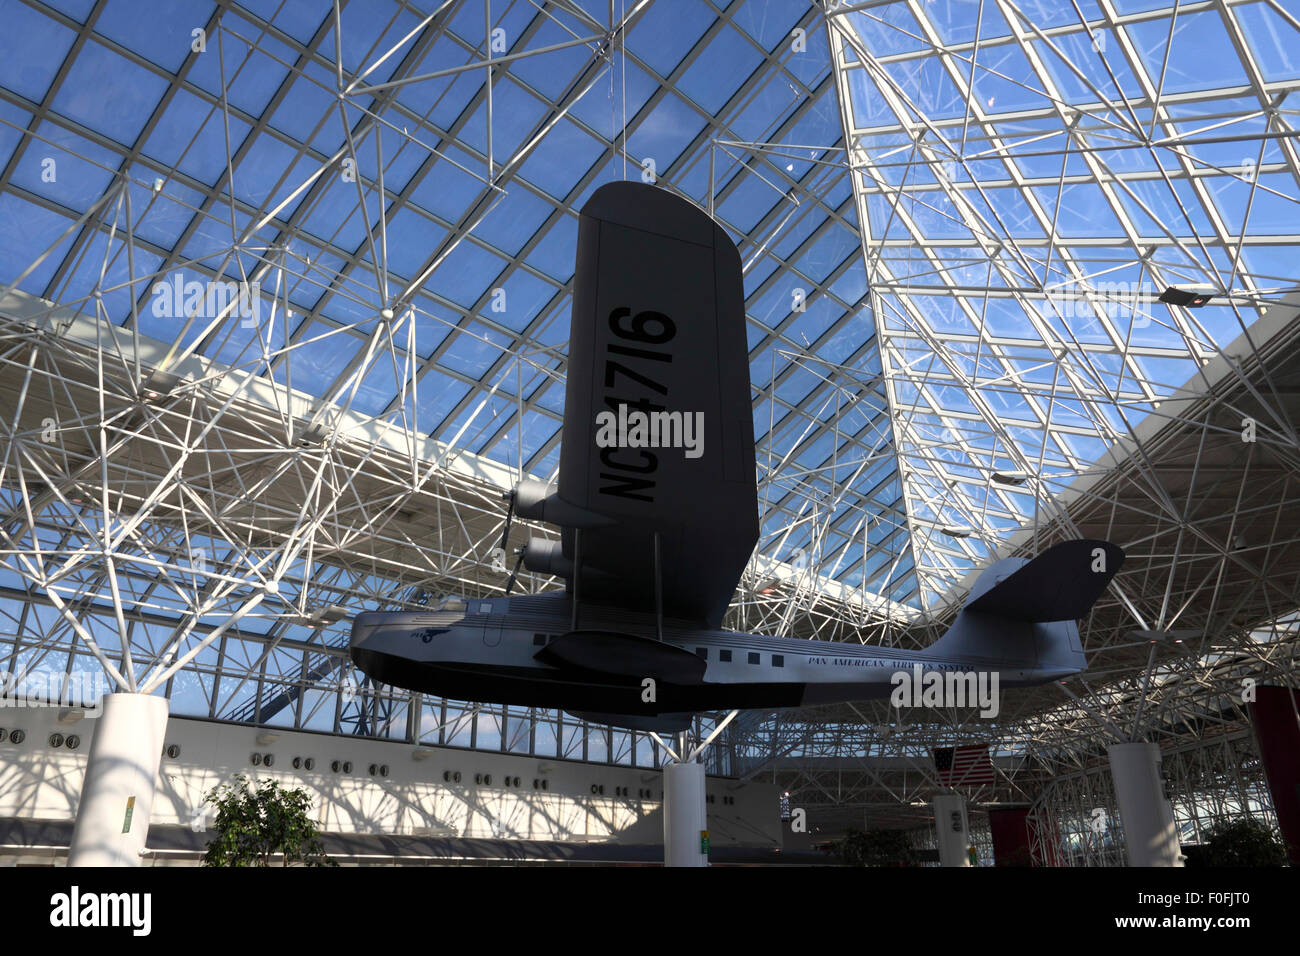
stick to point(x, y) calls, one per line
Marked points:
point(1013, 477)
point(1187, 298)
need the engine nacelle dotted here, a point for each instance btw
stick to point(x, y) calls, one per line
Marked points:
point(547, 557)
point(538, 501)
point(530, 499)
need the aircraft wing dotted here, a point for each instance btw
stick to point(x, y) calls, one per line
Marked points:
point(658, 331)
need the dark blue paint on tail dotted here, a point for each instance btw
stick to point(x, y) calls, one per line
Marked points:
point(1061, 584)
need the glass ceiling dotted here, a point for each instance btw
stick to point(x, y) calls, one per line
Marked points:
point(954, 218)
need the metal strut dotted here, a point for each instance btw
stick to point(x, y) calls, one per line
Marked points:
point(659, 593)
point(577, 576)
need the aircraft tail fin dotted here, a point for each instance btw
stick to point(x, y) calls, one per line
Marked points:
point(985, 641)
point(1022, 612)
point(1061, 584)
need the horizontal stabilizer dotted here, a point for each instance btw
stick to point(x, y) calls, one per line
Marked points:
point(1061, 584)
point(623, 655)
point(659, 723)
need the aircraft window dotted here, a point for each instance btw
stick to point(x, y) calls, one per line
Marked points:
point(724, 655)
point(778, 660)
point(753, 657)
point(702, 652)
point(452, 603)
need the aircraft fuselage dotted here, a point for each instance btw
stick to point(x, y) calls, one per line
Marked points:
point(489, 653)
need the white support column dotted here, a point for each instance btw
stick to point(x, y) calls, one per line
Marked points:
point(685, 815)
point(117, 794)
point(1150, 836)
point(951, 829)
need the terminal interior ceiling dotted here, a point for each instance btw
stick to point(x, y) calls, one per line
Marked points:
point(956, 221)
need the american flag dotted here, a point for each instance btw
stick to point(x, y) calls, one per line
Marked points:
point(967, 766)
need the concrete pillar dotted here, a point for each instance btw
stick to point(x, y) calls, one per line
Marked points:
point(1277, 731)
point(951, 829)
point(1150, 836)
point(685, 816)
point(117, 794)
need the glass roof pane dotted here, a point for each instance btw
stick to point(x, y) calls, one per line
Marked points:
point(108, 93)
point(930, 345)
point(31, 49)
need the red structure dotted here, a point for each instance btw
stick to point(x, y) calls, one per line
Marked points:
point(1013, 831)
point(1011, 841)
point(1277, 730)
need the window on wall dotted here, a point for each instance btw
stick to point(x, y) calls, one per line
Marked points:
point(459, 726)
point(487, 730)
point(623, 752)
point(598, 743)
point(645, 751)
point(573, 742)
point(545, 741)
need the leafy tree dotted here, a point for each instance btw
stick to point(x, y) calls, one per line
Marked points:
point(875, 848)
point(1245, 841)
point(254, 825)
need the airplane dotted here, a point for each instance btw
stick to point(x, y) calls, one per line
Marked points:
point(657, 506)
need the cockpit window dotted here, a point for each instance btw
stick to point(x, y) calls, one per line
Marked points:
point(452, 602)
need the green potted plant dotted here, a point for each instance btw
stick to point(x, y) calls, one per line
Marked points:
point(254, 825)
point(875, 848)
point(1245, 841)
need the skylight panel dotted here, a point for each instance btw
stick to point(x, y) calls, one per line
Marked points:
point(32, 47)
point(768, 21)
point(1272, 39)
point(669, 129)
point(667, 32)
point(524, 296)
point(925, 88)
point(268, 174)
point(720, 69)
point(25, 226)
point(439, 394)
point(561, 161)
point(108, 93)
point(552, 256)
point(474, 350)
point(65, 168)
point(317, 355)
point(191, 136)
point(1200, 53)
point(117, 287)
point(467, 274)
point(298, 18)
point(1270, 205)
point(248, 345)
point(552, 72)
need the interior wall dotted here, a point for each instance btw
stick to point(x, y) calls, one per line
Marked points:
point(581, 802)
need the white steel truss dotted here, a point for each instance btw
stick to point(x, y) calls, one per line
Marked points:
point(955, 221)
